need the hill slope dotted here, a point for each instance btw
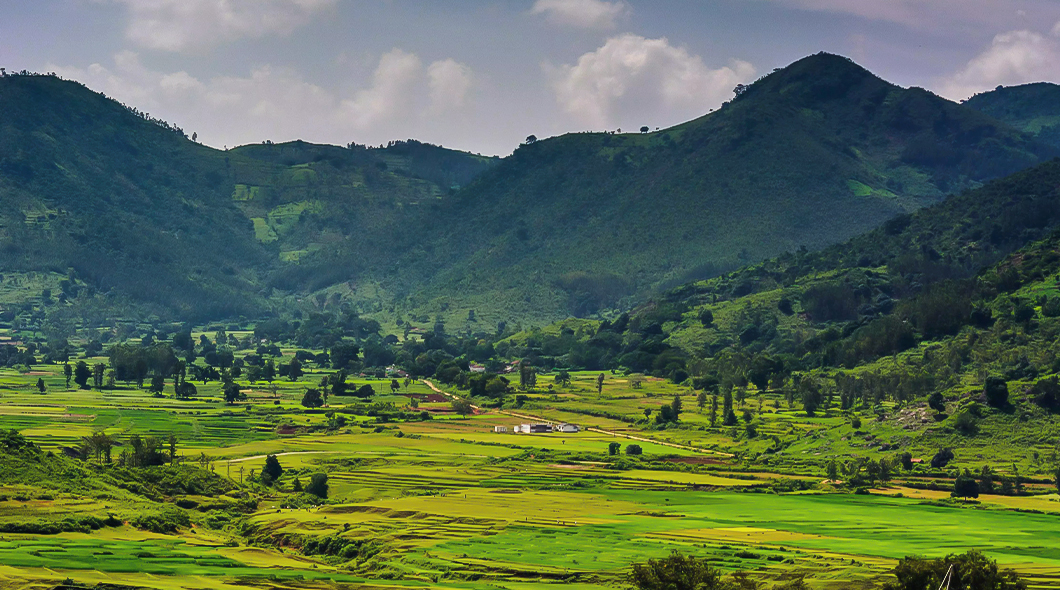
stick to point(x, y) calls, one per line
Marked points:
point(100, 200)
point(118, 215)
point(808, 156)
point(1033, 108)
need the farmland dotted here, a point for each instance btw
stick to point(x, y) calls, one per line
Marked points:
point(447, 502)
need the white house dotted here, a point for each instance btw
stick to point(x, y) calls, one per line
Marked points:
point(501, 429)
point(565, 428)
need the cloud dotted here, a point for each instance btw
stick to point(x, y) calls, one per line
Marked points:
point(391, 91)
point(450, 82)
point(188, 25)
point(585, 14)
point(635, 80)
point(400, 101)
point(1015, 57)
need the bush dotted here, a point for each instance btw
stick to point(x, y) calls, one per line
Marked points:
point(996, 391)
point(633, 450)
point(971, 571)
point(318, 485)
point(166, 521)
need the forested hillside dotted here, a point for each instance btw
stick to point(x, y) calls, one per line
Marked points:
point(1033, 108)
point(108, 213)
point(808, 156)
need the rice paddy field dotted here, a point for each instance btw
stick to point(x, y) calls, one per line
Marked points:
point(447, 502)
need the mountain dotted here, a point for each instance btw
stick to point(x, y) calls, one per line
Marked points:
point(1033, 108)
point(115, 214)
point(808, 156)
point(108, 213)
point(920, 277)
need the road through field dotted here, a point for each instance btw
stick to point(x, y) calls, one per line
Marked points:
point(596, 430)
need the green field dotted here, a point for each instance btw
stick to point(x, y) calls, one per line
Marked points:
point(447, 502)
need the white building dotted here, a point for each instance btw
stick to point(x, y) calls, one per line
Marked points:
point(501, 429)
point(565, 428)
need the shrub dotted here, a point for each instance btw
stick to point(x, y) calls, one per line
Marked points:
point(633, 450)
point(996, 391)
point(318, 485)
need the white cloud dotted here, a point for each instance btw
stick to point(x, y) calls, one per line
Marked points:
point(401, 100)
point(450, 82)
point(634, 80)
point(1015, 57)
point(188, 25)
point(391, 91)
point(586, 14)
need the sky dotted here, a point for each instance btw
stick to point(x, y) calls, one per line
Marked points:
point(483, 75)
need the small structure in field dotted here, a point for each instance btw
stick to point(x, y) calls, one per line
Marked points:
point(566, 428)
point(533, 428)
point(500, 429)
point(477, 368)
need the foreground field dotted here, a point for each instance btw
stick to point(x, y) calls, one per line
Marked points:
point(446, 502)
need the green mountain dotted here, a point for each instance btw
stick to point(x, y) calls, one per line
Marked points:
point(1033, 108)
point(810, 155)
point(107, 213)
point(113, 214)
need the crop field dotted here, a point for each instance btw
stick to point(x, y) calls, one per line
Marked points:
point(450, 503)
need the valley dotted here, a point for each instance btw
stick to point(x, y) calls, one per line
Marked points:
point(807, 340)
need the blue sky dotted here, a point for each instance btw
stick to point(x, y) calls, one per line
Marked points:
point(483, 75)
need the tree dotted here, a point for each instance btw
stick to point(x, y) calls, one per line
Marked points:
point(365, 391)
point(98, 372)
point(1056, 479)
point(318, 485)
point(272, 470)
point(172, 448)
point(68, 372)
point(633, 450)
point(296, 486)
point(185, 390)
point(82, 374)
point(312, 398)
point(941, 459)
point(833, 471)
point(232, 394)
point(996, 391)
point(937, 402)
point(706, 317)
point(644, 129)
point(600, 383)
point(462, 406)
point(971, 571)
point(158, 384)
point(614, 448)
point(530, 139)
point(563, 378)
point(713, 410)
point(294, 369)
point(986, 480)
point(676, 572)
point(268, 372)
point(675, 407)
point(701, 400)
point(907, 461)
point(728, 416)
point(41, 387)
point(394, 386)
point(811, 396)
